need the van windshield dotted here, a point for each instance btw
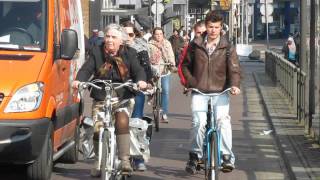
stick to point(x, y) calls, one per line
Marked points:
point(23, 24)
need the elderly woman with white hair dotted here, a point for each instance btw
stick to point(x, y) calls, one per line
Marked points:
point(103, 63)
point(290, 51)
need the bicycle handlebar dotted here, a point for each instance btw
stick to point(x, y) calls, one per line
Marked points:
point(210, 94)
point(108, 83)
point(166, 64)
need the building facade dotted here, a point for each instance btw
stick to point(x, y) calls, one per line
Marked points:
point(286, 19)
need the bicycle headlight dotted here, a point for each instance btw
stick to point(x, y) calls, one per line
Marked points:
point(27, 98)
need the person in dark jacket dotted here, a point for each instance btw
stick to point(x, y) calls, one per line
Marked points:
point(102, 64)
point(208, 68)
point(140, 45)
point(177, 44)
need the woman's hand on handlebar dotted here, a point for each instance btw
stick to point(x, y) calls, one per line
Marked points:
point(235, 90)
point(75, 84)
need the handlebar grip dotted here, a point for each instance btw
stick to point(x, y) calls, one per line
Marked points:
point(95, 86)
point(85, 85)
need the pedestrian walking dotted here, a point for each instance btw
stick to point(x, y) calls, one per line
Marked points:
point(177, 43)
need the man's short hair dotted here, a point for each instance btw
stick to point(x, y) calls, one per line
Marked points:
point(214, 16)
point(199, 24)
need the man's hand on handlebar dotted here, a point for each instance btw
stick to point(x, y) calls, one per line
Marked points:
point(235, 90)
point(142, 85)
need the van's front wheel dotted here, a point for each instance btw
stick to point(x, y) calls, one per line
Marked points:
point(41, 168)
point(71, 156)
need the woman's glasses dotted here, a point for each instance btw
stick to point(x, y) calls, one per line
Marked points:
point(131, 34)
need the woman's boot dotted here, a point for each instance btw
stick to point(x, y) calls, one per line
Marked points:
point(123, 143)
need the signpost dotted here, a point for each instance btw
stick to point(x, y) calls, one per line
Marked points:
point(157, 8)
point(266, 10)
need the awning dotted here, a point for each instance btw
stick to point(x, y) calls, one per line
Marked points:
point(124, 12)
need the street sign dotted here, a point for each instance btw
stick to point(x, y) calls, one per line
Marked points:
point(250, 10)
point(157, 8)
point(225, 4)
point(249, 20)
point(268, 1)
point(236, 2)
point(270, 19)
point(269, 9)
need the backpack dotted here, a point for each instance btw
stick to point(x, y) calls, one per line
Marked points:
point(190, 48)
point(143, 58)
point(183, 54)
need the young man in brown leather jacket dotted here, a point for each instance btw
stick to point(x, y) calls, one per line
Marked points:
point(211, 66)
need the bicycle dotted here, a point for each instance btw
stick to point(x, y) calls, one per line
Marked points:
point(157, 110)
point(108, 160)
point(211, 146)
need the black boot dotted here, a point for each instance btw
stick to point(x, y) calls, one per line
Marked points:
point(227, 166)
point(192, 163)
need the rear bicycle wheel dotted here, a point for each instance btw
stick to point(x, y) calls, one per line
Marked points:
point(106, 159)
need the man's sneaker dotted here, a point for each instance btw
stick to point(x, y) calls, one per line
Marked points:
point(191, 166)
point(164, 119)
point(139, 165)
point(227, 166)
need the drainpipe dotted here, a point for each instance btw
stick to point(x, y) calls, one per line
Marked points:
point(312, 62)
point(304, 59)
point(242, 21)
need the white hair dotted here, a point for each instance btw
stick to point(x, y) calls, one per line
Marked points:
point(122, 32)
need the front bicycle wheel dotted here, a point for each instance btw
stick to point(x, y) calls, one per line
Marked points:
point(157, 116)
point(213, 169)
point(157, 110)
point(106, 159)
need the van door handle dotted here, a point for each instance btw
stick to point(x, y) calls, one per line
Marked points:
point(64, 68)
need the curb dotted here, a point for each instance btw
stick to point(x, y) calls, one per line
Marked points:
point(288, 167)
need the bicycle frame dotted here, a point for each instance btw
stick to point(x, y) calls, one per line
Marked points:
point(212, 133)
point(108, 126)
point(111, 164)
point(212, 130)
point(157, 110)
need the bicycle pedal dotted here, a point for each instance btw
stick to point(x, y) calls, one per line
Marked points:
point(126, 173)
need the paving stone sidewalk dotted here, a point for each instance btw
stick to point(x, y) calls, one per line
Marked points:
point(300, 153)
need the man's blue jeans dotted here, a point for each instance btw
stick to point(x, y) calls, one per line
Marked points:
point(199, 106)
point(165, 85)
point(138, 106)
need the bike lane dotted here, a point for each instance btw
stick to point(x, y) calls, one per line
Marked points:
point(257, 156)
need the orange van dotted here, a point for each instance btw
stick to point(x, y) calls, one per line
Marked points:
point(41, 50)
